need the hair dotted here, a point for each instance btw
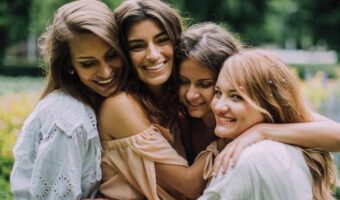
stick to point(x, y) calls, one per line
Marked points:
point(82, 16)
point(127, 15)
point(208, 44)
point(266, 83)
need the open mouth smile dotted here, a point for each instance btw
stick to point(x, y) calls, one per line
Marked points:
point(105, 82)
point(154, 67)
point(225, 119)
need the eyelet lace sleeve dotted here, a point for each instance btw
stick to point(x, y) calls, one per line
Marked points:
point(61, 161)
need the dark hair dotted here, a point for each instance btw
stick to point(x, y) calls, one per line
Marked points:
point(82, 16)
point(129, 13)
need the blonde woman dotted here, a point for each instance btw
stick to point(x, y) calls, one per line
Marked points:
point(254, 87)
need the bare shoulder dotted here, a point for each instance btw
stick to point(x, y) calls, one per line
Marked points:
point(121, 116)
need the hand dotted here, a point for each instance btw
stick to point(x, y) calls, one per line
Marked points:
point(228, 157)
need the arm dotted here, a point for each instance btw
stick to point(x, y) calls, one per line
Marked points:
point(186, 180)
point(121, 116)
point(306, 135)
point(57, 168)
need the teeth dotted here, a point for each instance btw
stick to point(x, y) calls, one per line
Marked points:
point(196, 104)
point(105, 81)
point(154, 67)
point(226, 119)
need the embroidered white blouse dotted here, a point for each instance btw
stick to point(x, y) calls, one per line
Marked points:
point(57, 155)
point(266, 170)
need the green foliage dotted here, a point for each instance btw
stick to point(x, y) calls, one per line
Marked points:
point(112, 3)
point(337, 193)
point(41, 12)
point(245, 17)
point(319, 20)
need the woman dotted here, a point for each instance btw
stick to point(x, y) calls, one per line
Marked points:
point(254, 87)
point(58, 153)
point(138, 162)
point(200, 54)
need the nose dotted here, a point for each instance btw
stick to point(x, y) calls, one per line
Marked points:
point(105, 70)
point(153, 53)
point(220, 107)
point(192, 93)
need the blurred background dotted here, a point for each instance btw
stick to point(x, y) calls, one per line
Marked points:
point(305, 34)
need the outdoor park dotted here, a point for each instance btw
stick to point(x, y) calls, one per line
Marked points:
point(304, 34)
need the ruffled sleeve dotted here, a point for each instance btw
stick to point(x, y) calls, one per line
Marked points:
point(128, 165)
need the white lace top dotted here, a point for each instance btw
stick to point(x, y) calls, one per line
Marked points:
point(57, 155)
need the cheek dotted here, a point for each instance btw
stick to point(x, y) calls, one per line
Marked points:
point(212, 104)
point(169, 51)
point(209, 94)
point(83, 74)
point(117, 63)
point(135, 58)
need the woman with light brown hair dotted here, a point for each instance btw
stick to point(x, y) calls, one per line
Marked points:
point(57, 155)
point(255, 87)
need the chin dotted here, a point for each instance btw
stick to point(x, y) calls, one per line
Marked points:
point(195, 114)
point(221, 132)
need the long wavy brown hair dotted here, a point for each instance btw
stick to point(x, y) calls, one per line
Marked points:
point(82, 16)
point(266, 83)
point(162, 110)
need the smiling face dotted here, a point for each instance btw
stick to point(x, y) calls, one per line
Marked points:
point(151, 52)
point(96, 63)
point(196, 87)
point(232, 113)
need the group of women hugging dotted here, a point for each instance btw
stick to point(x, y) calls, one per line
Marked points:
point(137, 107)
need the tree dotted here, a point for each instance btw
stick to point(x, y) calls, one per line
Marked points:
point(319, 20)
point(13, 23)
point(245, 17)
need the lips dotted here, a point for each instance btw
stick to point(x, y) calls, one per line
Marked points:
point(195, 105)
point(106, 81)
point(225, 120)
point(154, 67)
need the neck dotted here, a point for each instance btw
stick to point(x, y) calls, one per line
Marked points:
point(156, 89)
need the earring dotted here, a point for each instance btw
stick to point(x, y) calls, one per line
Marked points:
point(71, 71)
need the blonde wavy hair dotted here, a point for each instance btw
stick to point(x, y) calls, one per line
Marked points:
point(267, 84)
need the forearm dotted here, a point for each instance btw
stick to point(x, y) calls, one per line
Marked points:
point(186, 180)
point(324, 135)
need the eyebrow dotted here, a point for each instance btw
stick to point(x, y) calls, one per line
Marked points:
point(206, 79)
point(81, 58)
point(229, 91)
point(182, 77)
point(157, 35)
